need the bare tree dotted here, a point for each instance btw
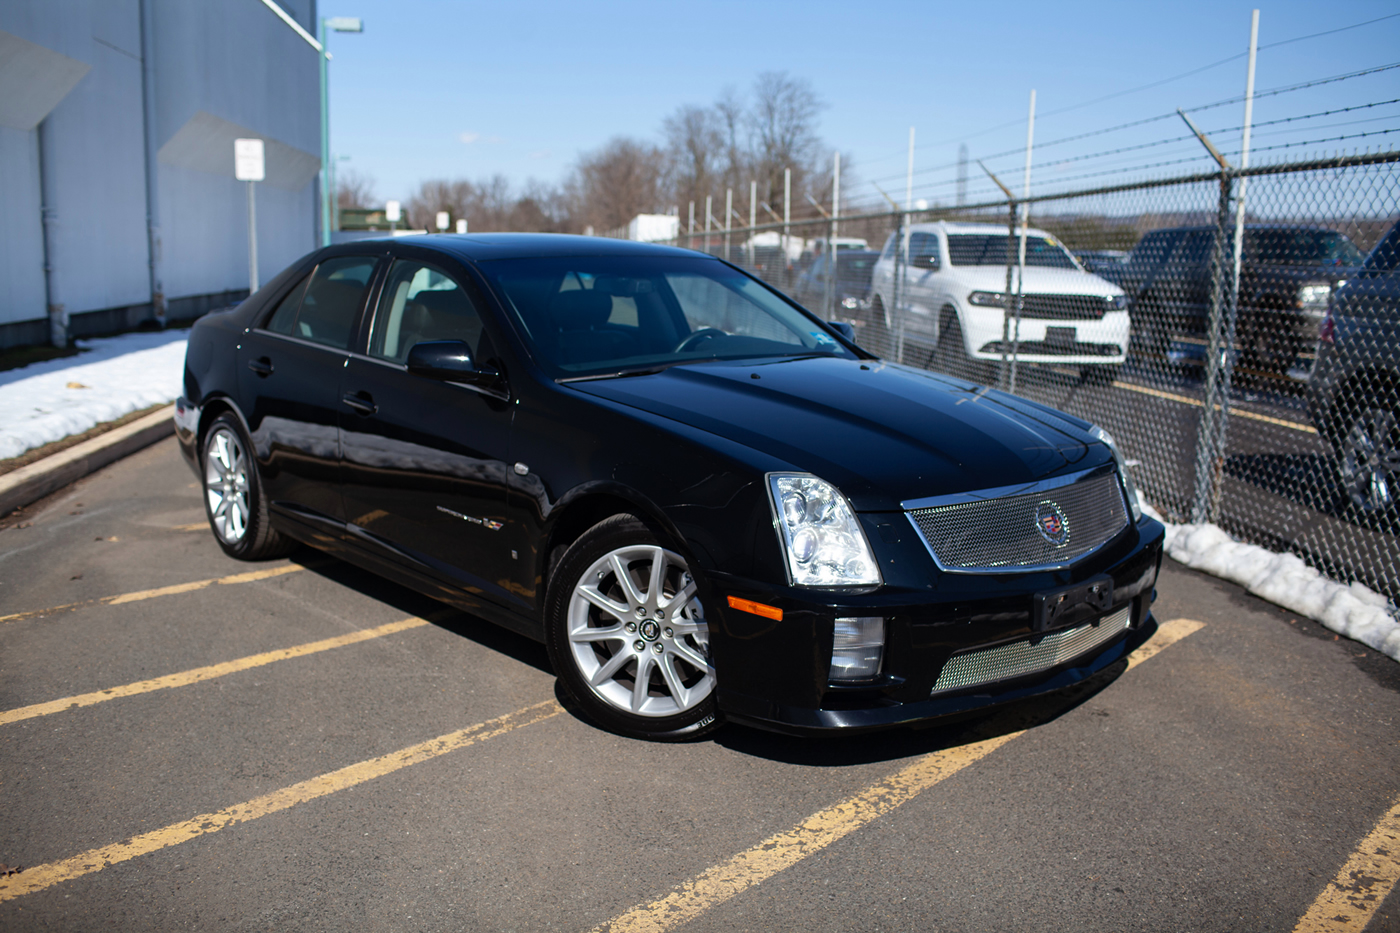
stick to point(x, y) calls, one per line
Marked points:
point(614, 183)
point(783, 121)
point(355, 189)
point(694, 143)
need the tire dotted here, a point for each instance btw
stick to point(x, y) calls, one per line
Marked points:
point(233, 495)
point(623, 603)
point(1368, 455)
point(875, 335)
point(950, 356)
point(1099, 375)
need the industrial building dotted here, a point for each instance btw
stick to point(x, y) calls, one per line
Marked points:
point(117, 122)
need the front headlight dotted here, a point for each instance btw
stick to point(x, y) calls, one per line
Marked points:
point(819, 533)
point(1116, 302)
point(1129, 486)
point(1314, 297)
point(850, 302)
point(987, 299)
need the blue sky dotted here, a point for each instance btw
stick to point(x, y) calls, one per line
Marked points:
point(450, 89)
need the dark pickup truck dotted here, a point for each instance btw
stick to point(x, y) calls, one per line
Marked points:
point(1287, 274)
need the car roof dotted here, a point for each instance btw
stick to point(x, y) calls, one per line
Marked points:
point(486, 246)
point(1198, 228)
point(981, 229)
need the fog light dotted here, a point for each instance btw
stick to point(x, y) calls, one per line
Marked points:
point(857, 649)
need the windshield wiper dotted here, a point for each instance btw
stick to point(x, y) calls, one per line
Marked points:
point(623, 373)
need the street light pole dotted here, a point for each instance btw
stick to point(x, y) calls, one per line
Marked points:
point(332, 24)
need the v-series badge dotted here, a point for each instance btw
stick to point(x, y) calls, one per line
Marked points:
point(484, 522)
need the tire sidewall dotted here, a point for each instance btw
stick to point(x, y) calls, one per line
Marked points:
point(612, 533)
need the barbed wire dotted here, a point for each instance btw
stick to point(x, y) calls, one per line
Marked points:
point(1268, 92)
point(1144, 87)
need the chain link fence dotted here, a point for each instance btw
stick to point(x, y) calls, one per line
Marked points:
point(1228, 328)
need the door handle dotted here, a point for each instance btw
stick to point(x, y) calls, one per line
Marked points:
point(362, 402)
point(262, 366)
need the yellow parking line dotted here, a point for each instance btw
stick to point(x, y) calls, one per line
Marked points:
point(1187, 400)
point(192, 526)
point(717, 885)
point(139, 595)
point(205, 673)
point(43, 876)
point(1352, 898)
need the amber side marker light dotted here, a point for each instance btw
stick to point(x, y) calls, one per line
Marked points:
point(758, 609)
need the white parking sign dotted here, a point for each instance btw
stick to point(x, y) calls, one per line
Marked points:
point(248, 159)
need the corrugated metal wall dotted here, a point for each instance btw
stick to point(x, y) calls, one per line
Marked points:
point(216, 69)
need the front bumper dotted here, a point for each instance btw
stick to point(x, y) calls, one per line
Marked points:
point(773, 674)
point(1103, 341)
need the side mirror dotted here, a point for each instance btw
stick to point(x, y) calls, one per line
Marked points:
point(924, 262)
point(843, 328)
point(449, 361)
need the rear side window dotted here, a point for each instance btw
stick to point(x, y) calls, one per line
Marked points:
point(323, 308)
point(286, 314)
point(924, 246)
point(1153, 249)
point(1386, 255)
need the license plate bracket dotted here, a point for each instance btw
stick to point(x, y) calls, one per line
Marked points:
point(1049, 607)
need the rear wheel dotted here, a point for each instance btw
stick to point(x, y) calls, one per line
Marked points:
point(626, 632)
point(233, 495)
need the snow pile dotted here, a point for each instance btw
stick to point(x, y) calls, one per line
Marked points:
point(1354, 611)
point(114, 376)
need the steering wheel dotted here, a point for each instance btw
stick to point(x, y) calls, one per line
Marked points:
point(704, 333)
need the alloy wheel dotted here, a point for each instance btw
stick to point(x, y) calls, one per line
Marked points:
point(226, 485)
point(637, 633)
point(1371, 459)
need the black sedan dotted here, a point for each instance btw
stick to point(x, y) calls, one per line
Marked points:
point(706, 502)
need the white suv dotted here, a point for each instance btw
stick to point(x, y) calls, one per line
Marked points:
point(953, 299)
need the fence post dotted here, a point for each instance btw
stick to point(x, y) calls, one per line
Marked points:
point(728, 219)
point(898, 281)
point(1006, 310)
point(690, 229)
point(1220, 363)
point(787, 219)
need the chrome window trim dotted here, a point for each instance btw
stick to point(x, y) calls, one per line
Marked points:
point(1000, 492)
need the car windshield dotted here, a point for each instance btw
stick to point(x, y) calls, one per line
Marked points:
point(967, 249)
point(598, 316)
point(1301, 248)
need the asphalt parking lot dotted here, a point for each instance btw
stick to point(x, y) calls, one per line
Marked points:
point(187, 742)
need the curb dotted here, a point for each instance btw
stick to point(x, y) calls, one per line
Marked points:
point(31, 483)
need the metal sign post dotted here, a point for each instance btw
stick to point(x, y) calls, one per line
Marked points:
point(248, 165)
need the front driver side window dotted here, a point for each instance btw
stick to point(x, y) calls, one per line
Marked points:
point(421, 302)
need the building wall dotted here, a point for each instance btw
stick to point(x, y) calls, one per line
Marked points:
point(218, 68)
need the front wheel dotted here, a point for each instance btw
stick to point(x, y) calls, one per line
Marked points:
point(875, 334)
point(1370, 457)
point(626, 632)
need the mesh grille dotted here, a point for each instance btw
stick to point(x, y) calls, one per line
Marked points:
point(1021, 657)
point(1000, 534)
point(1063, 307)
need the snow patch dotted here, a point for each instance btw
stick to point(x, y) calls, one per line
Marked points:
point(1352, 610)
point(112, 377)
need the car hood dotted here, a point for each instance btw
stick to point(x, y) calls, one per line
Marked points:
point(1038, 280)
point(883, 433)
